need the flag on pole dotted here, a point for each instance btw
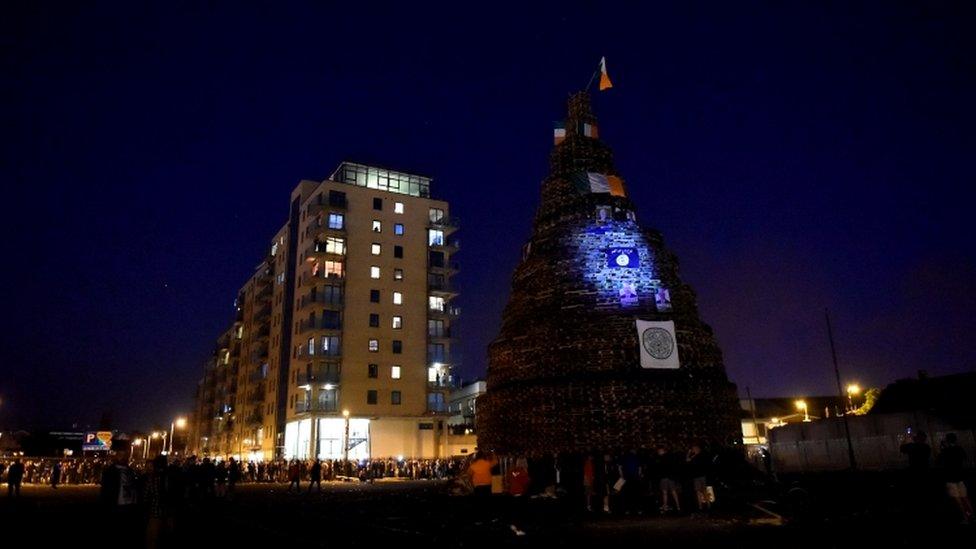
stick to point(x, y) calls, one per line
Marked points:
point(604, 77)
point(558, 132)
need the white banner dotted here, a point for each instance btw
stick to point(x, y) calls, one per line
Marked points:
point(658, 346)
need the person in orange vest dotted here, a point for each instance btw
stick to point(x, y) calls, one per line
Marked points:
point(480, 472)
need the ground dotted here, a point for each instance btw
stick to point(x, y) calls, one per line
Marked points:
point(422, 512)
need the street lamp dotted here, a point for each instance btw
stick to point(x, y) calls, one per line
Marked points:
point(802, 406)
point(179, 422)
point(345, 446)
point(145, 450)
point(135, 442)
point(853, 389)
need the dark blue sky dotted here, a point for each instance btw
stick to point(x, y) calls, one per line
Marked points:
point(795, 158)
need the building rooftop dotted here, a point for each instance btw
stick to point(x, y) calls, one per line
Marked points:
point(382, 179)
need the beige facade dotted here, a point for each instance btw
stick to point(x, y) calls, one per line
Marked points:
point(342, 341)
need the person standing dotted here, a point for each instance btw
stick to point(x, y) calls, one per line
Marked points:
point(56, 475)
point(315, 477)
point(156, 500)
point(697, 463)
point(670, 475)
point(15, 476)
point(233, 477)
point(480, 471)
point(952, 461)
point(294, 476)
point(220, 478)
point(589, 477)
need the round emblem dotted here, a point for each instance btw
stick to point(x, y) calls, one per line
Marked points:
point(623, 260)
point(658, 343)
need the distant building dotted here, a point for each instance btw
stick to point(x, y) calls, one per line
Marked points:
point(342, 338)
point(759, 415)
point(905, 409)
point(464, 408)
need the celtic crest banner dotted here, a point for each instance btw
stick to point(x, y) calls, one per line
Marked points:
point(658, 346)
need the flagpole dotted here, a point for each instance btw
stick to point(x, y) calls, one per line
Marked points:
point(840, 393)
point(592, 78)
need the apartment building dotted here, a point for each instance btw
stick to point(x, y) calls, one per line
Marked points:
point(342, 341)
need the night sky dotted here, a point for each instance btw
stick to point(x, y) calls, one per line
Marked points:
point(795, 158)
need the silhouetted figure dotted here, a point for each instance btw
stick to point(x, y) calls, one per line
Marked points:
point(951, 462)
point(315, 477)
point(56, 475)
point(15, 477)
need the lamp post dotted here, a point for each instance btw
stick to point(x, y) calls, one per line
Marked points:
point(135, 442)
point(345, 445)
point(802, 406)
point(178, 422)
point(853, 389)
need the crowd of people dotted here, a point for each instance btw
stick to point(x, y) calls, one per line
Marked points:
point(634, 482)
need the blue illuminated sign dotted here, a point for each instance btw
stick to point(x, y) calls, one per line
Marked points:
point(623, 257)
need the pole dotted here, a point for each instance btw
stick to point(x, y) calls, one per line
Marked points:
point(172, 427)
point(346, 445)
point(840, 392)
point(752, 405)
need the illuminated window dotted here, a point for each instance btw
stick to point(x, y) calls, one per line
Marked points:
point(336, 221)
point(333, 269)
point(374, 320)
point(397, 322)
point(374, 345)
point(374, 272)
point(374, 370)
point(436, 215)
point(398, 207)
point(311, 345)
point(436, 303)
point(375, 248)
point(330, 345)
point(397, 298)
point(377, 226)
point(335, 245)
point(395, 398)
point(398, 229)
point(435, 328)
point(435, 237)
point(395, 372)
point(397, 274)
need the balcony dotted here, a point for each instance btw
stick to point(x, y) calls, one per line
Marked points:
point(446, 224)
point(441, 288)
point(319, 324)
point(262, 310)
point(263, 333)
point(321, 300)
point(446, 313)
point(259, 351)
point(451, 246)
point(257, 376)
point(264, 288)
point(256, 395)
point(446, 268)
point(315, 406)
point(319, 375)
point(255, 418)
point(311, 277)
